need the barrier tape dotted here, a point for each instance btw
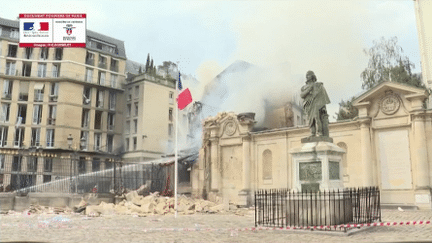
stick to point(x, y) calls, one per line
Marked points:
point(51, 224)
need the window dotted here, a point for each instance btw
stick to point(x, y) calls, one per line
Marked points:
point(267, 164)
point(170, 114)
point(10, 68)
point(170, 129)
point(35, 137)
point(22, 114)
point(113, 80)
point(42, 67)
point(52, 114)
point(95, 164)
point(97, 141)
point(127, 144)
point(84, 137)
point(28, 53)
point(37, 114)
point(26, 69)
point(19, 137)
point(110, 140)
point(54, 92)
point(99, 98)
point(39, 92)
point(129, 94)
point(171, 97)
point(56, 70)
point(102, 62)
point(24, 90)
point(3, 136)
point(46, 178)
point(89, 75)
point(127, 128)
point(44, 53)
point(135, 126)
point(112, 100)
point(7, 89)
point(128, 110)
point(134, 143)
point(136, 92)
point(14, 34)
point(85, 118)
point(136, 109)
point(5, 112)
point(12, 50)
point(58, 53)
point(50, 138)
point(2, 162)
point(16, 163)
point(98, 120)
point(32, 164)
point(87, 96)
point(101, 78)
point(114, 65)
point(82, 165)
point(90, 58)
point(111, 121)
point(99, 46)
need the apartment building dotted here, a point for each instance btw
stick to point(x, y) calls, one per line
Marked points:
point(51, 94)
point(149, 128)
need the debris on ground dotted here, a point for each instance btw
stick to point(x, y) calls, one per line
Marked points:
point(135, 204)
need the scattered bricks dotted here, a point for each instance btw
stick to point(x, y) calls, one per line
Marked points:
point(138, 200)
point(161, 208)
point(148, 207)
point(93, 210)
point(131, 195)
point(217, 208)
point(135, 209)
point(182, 207)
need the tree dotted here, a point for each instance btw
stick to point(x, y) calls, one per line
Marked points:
point(347, 110)
point(147, 67)
point(168, 68)
point(386, 63)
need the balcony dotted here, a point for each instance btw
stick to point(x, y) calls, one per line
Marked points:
point(90, 62)
point(102, 65)
point(51, 121)
point(114, 68)
point(7, 96)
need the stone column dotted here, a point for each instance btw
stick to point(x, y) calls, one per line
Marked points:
point(366, 150)
point(40, 168)
point(429, 148)
point(422, 167)
point(246, 164)
point(214, 160)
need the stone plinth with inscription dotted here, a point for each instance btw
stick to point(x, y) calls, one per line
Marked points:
point(317, 166)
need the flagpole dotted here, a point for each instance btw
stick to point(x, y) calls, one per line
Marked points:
point(176, 150)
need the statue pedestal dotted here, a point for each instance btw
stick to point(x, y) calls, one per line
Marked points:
point(317, 165)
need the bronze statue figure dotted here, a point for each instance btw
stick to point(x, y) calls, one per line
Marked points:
point(315, 99)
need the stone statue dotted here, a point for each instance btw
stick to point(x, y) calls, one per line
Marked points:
point(315, 99)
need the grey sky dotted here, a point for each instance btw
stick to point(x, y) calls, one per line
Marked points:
point(206, 36)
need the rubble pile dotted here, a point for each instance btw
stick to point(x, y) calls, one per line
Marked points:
point(134, 204)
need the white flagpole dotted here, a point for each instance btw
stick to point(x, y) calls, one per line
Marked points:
point(176, 150)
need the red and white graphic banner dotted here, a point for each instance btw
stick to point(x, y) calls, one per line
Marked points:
point(52, 30)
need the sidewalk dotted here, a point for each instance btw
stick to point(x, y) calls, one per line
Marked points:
point(193, 228)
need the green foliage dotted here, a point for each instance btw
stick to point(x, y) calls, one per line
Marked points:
point(386, 63)
point(347, 110)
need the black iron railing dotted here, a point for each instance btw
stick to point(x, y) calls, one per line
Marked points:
point(285, 207)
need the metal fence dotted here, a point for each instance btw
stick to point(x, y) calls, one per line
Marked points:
point(285, 207)
point(23, 173)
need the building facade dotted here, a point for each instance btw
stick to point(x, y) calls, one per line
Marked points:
point(50, 93)
point(388, 145)
point(150, 117)
point(423, 11)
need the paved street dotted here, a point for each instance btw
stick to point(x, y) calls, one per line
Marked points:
point(211, 228)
